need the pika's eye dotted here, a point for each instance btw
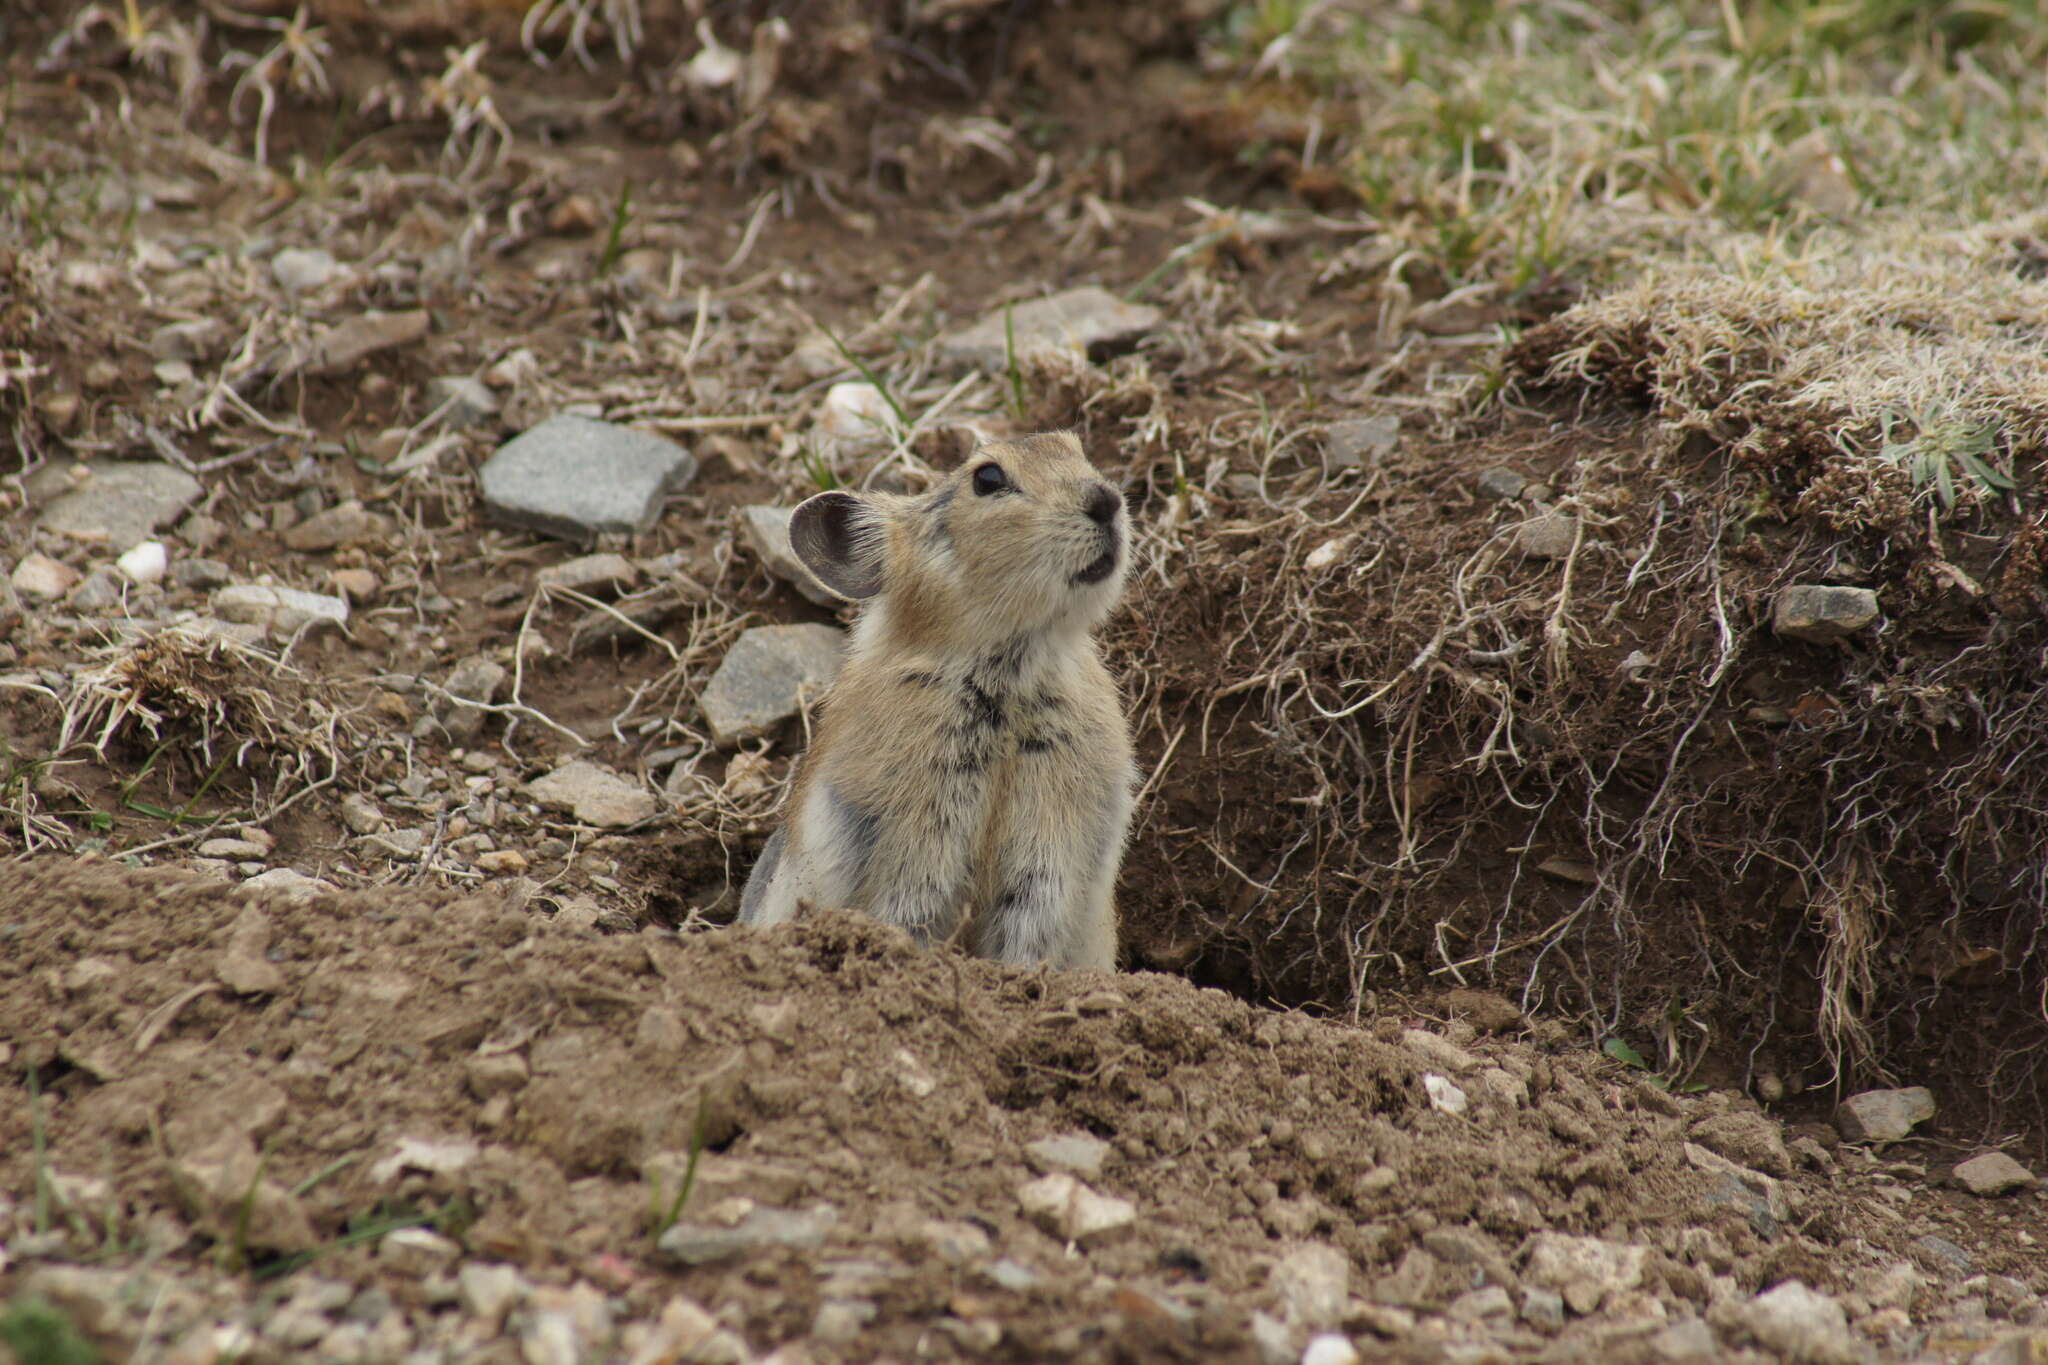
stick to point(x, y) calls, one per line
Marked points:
point(990, 479)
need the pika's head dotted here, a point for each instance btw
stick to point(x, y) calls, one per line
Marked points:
point(1023, 536)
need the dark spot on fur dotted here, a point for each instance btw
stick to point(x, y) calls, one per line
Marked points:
point(863, 830)
point(984, 709)
point(1040, 744)
point(936, 531)
point(917, 677)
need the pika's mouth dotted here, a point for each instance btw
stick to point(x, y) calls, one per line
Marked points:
point(1098, 568)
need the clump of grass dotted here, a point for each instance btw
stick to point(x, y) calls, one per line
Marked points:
point(39, 1333)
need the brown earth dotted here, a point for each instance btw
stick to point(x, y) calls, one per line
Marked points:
point(555, 1079)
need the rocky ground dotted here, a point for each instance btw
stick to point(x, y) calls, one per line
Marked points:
point(402, 656)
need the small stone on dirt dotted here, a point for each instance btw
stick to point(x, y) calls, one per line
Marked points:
point(343, 525)
point(42, 578)
point(461, 400)
point(345, 345)
point(1748, 1139)
point(120, 504)
point(299, 270)
point(417, 1252)
point(1489, 1013)
point(1993, 1174)
point(291, 884)
point(594, 795)
point(281, 611)
point(501, 862)
point(1437, 1051)
point(1823, 614)
point(765, 675)
point(1072, 1211)
point(199, 339)
point(490, 1292)
point(685, 1333)
point(475, 680)
point(1550, 534)
point(698, 1244)
point(1311, 1285)
point(855, 416)
point(1444, 1097)
point(100, 591)
point(360, 814)
point(1351, 443)
point(592, 574)
point(1077, 320)
point(575, 478)
point(1884, 1115)
point(356, 585)
point(1585, 1270)
point(1077, 1153)
point(201, 574)
point(1331, 1348)
point(1687, 1340)
point(1503, 483)
point(1800, 1324)
point(766, 532)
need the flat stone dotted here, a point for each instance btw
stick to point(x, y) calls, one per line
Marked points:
point(1077, 319)
point(461, 400)
point(1550, 534)
point(360, 814)
point(766, 532)
point(200, 573)
point(1799, 1324)
point(233, 849)
point(342, 347)
point(1330, 1348)
point(198, 339)
point(594, 795)
point(1437, 1051)
point(1352, 443)
point(42, 578)
point(1688, 1339)
point(1502, 483)
point(100, 590)
point(356, 586)
point(763, 676)
point(1822, 614)
point(602, 573)
point(299, 269)
point(1311, 1285)
point(1077, 1153)
point(575, 478)
point(1993, 1174)
point(417, 1252)
point(490, 1292)
point(281, 611)
point(289, 883)
point(1749, 1139)
point(120, 504)
point(855, 417)
point(699, 1244)
point(337, 526)
point(475, 679)
point(1884, 1115)
point(1939, 1253)
point(1755, 1194)
point(1073, 1212)
point(1585, 1270)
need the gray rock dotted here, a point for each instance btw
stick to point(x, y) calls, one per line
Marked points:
point(491, 1291)
point(843, 1320)
point(1503, 483)
point(1939, 1253)
point(594, 795)
point(1585, 1270)
point(1755, 1194)
point(1688, 1339)
point(1799, 1324)
point(698, 1244)
point(99, 591)
point(335, 527)
point(461, 400)
point(1822, 614)
point(1542, 1307)
point(360, 814)
point(606, 573)
point(1477, 1305)
point(575, 478)
point(1330, 1348)
point(281, 611)
point(43, 579)
point(1550, 534)
point(201, 532)
point(1075, 1152)
point(1010, 1275)
point(1351, 443)
point(1273, 1339)
point(198, 339)
point(758, 683)
point(121, 504)
point(766, 532)
point(200, 573)
point(289, 883)
point(1748, 1139)
point(394, 843)
point(1311, 1285)
point(475, 679)
point(1884, 1115)
point(1078, 319)
point(345, 345)
point(1993, 1174)
point(1073, 1212)
point(299, 269)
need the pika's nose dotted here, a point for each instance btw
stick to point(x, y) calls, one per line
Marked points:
point(1102, 504)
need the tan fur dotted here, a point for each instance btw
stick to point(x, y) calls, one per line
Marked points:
point(972, 759)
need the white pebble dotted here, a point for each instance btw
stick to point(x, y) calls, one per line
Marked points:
point(145, 563)
point(1330, 1349)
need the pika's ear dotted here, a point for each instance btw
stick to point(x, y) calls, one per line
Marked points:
point(839, 538)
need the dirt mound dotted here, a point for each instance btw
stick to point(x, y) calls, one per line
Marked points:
point(272, 1085)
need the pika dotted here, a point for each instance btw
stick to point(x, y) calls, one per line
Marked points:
point(971, 764)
